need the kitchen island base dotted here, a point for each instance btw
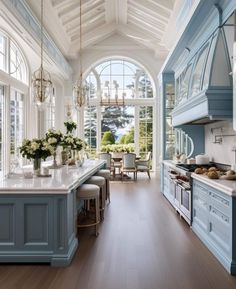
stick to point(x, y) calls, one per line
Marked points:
point(38, 217)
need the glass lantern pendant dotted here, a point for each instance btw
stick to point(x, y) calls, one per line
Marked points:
point(41, 79)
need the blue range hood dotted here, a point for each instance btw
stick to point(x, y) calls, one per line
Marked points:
point(204, 89)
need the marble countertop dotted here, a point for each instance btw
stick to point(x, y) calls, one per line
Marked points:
point(226, 186)
point(62, 181)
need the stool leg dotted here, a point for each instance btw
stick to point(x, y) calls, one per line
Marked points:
point(97, 214)
point(102, 201)
point(108, 190)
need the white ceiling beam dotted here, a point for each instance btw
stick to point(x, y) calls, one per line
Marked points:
point(138, 35)
point(110, 7)
point(154, 36)
point(95, 8)
point(161, 24)
point(163, 4)
point(122, 11)
point(143, 7)
point(90, 21)
point(94, 36)
point(56, 3)
point(150, 21)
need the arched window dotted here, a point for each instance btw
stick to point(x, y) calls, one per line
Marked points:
point(12, 101)
point(18, 68)
point(130, 121)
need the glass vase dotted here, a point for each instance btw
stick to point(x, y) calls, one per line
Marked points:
point(37, 166)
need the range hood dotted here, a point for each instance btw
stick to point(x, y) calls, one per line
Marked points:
point(204, 89)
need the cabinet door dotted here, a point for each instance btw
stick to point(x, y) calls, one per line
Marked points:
point(200, 207)
point(220, 230)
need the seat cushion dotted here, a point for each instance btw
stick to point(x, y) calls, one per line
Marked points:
point(96, 180)
point(142, 168)
point(88, 191)
point(104, 173)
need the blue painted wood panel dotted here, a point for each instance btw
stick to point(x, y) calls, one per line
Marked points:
point(214, 224)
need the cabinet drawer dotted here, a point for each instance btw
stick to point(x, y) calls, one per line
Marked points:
point(221, 201)
point(220, 229)
point(200, 188)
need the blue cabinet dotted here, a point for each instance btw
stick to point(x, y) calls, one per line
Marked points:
point(39, 228)
point(214, 223)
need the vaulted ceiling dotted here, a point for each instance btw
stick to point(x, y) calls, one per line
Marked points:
point(143, 21)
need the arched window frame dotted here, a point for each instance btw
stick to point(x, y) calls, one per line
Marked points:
point(15, 101)
point(138, 103)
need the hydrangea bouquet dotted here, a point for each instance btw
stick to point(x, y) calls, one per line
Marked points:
point(36, 149)
point(54, 138)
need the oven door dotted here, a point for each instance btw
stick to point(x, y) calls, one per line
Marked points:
point(185, 201)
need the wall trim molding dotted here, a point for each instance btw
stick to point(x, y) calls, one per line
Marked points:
point(24, 14)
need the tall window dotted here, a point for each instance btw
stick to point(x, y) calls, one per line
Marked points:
point(12, 101)
point(1, 129)
point(17, 121)
point(129, 122)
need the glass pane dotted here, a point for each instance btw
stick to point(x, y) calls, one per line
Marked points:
point(198, 71)
point(1, 130)
point(3, 42)
point(145, 130)
point(169, 131)
point(50, 113)
point(118, 120)
point(220, 69)
point(16, 123)
point(209, 63)
point(17, 64)
point(90, 129)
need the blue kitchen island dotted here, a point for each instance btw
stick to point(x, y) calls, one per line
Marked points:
point(38, 216)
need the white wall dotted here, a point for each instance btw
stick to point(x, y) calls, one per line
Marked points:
point(220, 153)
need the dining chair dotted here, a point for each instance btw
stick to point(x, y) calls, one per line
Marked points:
point(144, 165)
point(128, 165)
point(107, 158)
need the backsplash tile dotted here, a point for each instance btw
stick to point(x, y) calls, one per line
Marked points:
point(220, 153)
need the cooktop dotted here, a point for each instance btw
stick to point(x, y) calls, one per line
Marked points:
point(192, 167)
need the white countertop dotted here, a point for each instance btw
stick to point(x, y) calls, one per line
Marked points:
point(62, 181)
point(226, 186)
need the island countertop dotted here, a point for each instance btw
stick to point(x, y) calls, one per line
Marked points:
point(62, 181)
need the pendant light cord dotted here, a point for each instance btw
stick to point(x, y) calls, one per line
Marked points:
point(42, 33)
point(80, 44)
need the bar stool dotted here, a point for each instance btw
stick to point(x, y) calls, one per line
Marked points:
point(101, 183)
point(88, 192)
point(106, 174)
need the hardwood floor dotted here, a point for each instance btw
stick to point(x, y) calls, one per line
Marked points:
point(143, 244)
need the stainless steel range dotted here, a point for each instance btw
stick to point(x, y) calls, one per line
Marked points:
point(181, 184)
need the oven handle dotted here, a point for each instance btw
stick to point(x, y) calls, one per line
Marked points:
point(183, 188)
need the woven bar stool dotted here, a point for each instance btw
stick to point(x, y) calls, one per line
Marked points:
point(106, 174)
point(88, 192)
point(101, 183)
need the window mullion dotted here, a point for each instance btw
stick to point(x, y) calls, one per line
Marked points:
point(136, 130)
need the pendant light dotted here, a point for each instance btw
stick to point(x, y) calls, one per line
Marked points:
point(41, 80)
point(80, 90)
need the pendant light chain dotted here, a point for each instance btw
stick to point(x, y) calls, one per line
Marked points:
point(41, 33)
point(41, 79)
point(80, 48)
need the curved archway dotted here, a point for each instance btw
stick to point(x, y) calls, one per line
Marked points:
point(130, 121)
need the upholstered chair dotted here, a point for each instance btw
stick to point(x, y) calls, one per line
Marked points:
point(144, 165)
point(129, 165)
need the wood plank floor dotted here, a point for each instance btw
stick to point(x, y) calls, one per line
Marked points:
point(143, 244)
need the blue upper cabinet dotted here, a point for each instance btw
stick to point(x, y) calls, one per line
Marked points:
point(204, 87)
